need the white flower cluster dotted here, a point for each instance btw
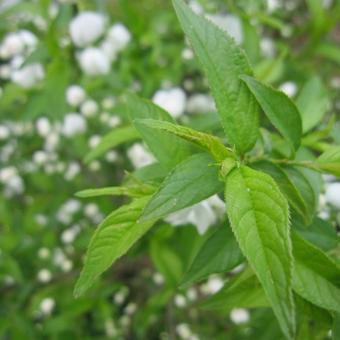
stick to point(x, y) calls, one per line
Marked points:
point(202, 215)
point(85, 30)
point(14, 49)
point(13, 183)
point(172, 100)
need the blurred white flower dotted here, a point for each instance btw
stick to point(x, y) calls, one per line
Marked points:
point(213, 285)
point(86, 27)
point(13, 182)
point(93, 61)
point(28, 76)
point(94, 141)
point(28, 38)
point(47, 305)
point(239, 316)
point(89, 108)
point(73, 124)
point(94, 166)
point(158, 278)
point(180, 301)
point(187, 54)
point(43, 126)
point(120, 296)
point(69, 235)
point(5, 71)
point(202, 215)
point(111, 156)
point(4, 132)
point(119, 36)
point(72, 170)
point(138, 156)
point(75, 95)
point(44, 276)
point(40, 157)
point(66, 265)
point(200, 103)
point(44, 253)
point(171, 100)
point(114, 121)
point(130, 308)
point(12, 45)
point(267, 47)
point(228, 23)
point(196, 7)
point(332, 194)
point(289, 88)
point(108, 103)
point(273, 5)
point(191, 294)
point(183, 331)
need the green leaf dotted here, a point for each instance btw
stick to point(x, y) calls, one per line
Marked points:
point(114, 138)
point(336, 327)
point(321, 233)
point(315, 277)
point(313, 102)
point(305, 188)
point(168, 149)
point(286, 186)
point(329, 161)
point(112, 239)
point(279, 109)
point(220, 253)
point(244, 291)
point(190, 182)
point(206, 141)
point(135, 191)
point(223, 62)
point(259, 217)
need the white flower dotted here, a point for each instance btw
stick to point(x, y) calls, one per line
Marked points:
point(4, 132)
point(40, 157)
point(180, 301)
point(267, 47)
point(44, 253)
point(43, 126)
point(28, 38)
point(108, 103)
point(138, 156)
point(75, 95)
point(289, 88)
point(114, 121)
point(119, 36)
point(239, 315)
point(7, 173)
point(89, 108)
point(171, 100)
point(158, 278)
point(273, 5)
point(130, 308)
point(66, 265)
point(47, 305)
point(111, 156)
point(93, 61)
point(12, 45)
point(230, 24)
point(332, 194)
point(68, 236)
point(28, 76)
point(86, 27)
point(200, 103)
point(73, 124)
point(187, 54)
point(5, 71)
point(94, 141)
point(44, 276)
point(183, 331)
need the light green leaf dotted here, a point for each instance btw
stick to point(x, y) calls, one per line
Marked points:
point(286, 186)
point(112, 239)
point(313, 102)
point(315, 277)
point(244, 291)
point(329, 161)
point(135, 191)
point(223, 62)
point(220, 253)
point(114, 138)
point(208, 142)
point(168, 149)
point(259, 217)
point(279, 109)
point(191, 181)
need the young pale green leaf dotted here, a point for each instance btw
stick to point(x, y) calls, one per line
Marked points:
point(329, 161)
point(223, 62)
point(305, 188)
point(190, 182)
point(259, 217)
point(114, 138)
point(286, 186)
point(220, 253)
point(315, 277)
point(279, 109)
point(135, 191)
point(313, 102)
point(168, 149)
point(244, 291)
point(208, 142)
point(112, 239)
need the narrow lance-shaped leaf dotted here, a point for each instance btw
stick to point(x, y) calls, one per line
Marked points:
point(112, 139)
point(168, 149)
point(112, 239)
point(191, 181)
point(220, 253)
point(223, 62)
point(315, 277)
point(279, 109)
point(259, 217)
point(208, 142)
